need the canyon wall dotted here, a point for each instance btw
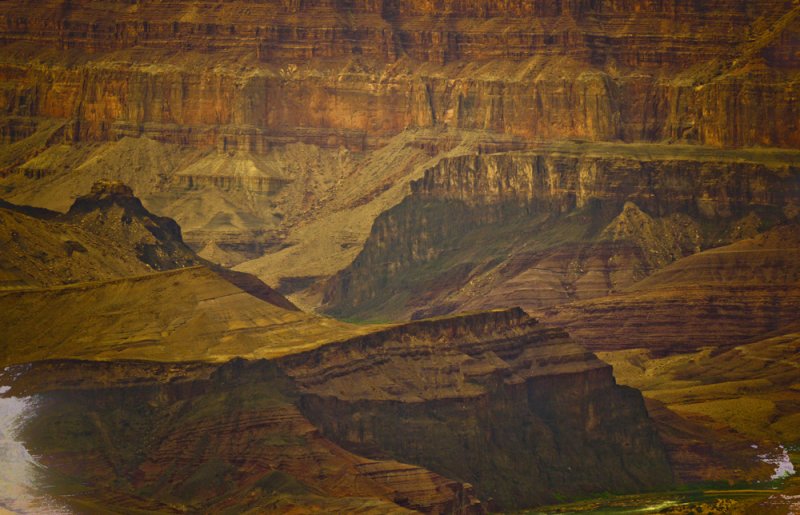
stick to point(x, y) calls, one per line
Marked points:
point(230, 116)
point(510, 411)
point(561, 225)
point(243, 75)
point(494, 399)
point(193, 437)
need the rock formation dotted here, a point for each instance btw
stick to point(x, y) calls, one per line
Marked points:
point(500, 402)
point(203, 438)
point(211, 89)
point(245, 76)
point(161, 369)
point(717, 298)
point(495, 399)
point(541, 228)
point(611, 165)
point(106, 234)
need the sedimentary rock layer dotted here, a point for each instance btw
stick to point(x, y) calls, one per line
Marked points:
point(514, 408)
point(570, 222)
point(194, 437)
point(493, 398)
point(721, 297)
point(340, 73)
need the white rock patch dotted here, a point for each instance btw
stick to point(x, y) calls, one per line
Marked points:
point(20, 491)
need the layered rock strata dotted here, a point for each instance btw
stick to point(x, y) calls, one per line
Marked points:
point(494, 399)
point(213, 93)
point(718, 298)
point(192, 437)
point(346, 74)
point(542, 228)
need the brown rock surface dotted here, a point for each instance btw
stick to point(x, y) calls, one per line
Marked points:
point(106, 234)
point(493, 398)
point(353, 73)
point(720, 297)
point(572, 221)
point(210, 439)
point(288, 128)
point(229, 116)
point(724, 398)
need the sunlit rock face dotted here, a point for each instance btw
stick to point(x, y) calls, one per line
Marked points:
point(188, 98)
point(243, 75)
point(431, 157)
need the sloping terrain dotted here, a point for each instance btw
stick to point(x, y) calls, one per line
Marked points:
point(718, 298)
point(119, 307)
point(712, 338)
point(626, 171)
point(280, 132)
point(106, 233)
point(186, 314)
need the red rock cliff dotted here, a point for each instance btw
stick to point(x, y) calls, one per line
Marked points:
point(250, 75)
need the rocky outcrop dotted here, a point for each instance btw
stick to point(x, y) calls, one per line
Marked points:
point(570, 177)
point(495, 399)
point(106, 234)
point(540, 228)
point(39, 250)
point(112, 212)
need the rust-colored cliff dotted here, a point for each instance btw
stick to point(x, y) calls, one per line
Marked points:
point(248, 75)
point(233, 117)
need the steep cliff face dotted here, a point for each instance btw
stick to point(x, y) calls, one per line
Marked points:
point(233, 117)
point(494, 399)
point(352, 73)
point(540, 228)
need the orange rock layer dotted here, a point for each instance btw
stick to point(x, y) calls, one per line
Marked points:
point(250, 75)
